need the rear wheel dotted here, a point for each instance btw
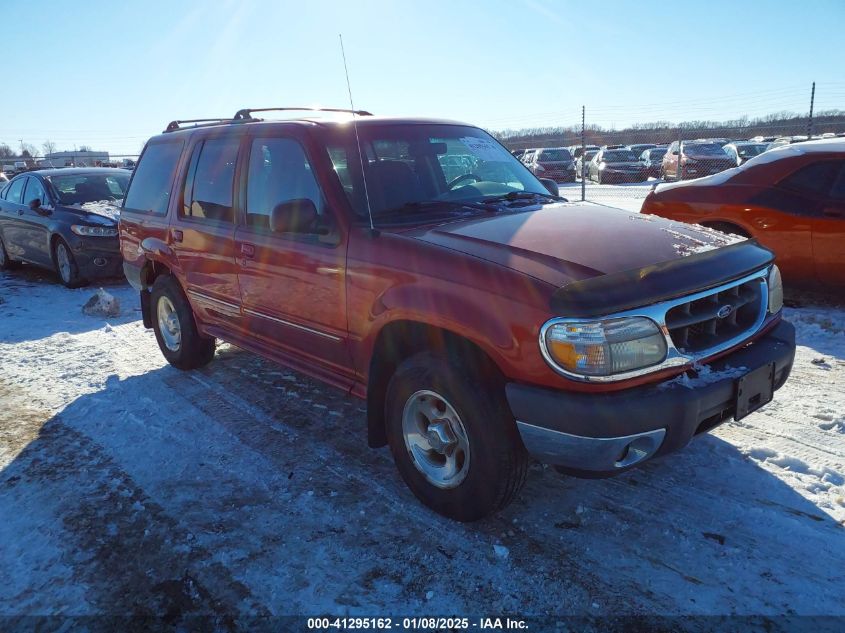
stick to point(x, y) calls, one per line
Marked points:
point(5, 262)
point(455, 445)
point(175, 327)
point(66, 266)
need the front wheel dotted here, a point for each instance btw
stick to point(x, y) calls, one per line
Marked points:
point(175, 328)
point(66, 266)
point(455, 445)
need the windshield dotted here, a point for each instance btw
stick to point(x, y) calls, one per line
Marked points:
point(554, 155)
point(747, 151)
point(619, 156)
point(410, 164)
point(656, 154)
point(703, 149)
point(81, 188)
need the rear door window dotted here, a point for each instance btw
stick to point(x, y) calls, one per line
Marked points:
point(149, 191)
point(15, 193)
point(211, 180)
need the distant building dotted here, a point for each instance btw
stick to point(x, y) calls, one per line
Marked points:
point(77, 159)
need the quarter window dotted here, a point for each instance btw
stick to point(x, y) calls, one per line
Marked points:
point(149, 191)
point(210, 185)
point(279, 174)
point(815, 179)
point(838, 190)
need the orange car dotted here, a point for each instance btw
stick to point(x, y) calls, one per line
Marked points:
point(791, 199)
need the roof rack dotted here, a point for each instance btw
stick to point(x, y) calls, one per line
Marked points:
point(177, 125)
point(246, 113)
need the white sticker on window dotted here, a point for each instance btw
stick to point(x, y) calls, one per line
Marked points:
point(483, 148)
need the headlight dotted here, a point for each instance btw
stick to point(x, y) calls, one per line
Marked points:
point(775, 290)
point(602, 165)
point(539, 168)
point(602, 347)
point(94, 231)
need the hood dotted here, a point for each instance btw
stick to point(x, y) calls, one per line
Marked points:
point(565, 242)
point(104, 212)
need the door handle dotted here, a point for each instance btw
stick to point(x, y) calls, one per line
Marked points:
point(178, 236)
point(20, 211)
point(247, 250)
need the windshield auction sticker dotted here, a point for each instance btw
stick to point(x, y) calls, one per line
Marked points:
point(485, 149)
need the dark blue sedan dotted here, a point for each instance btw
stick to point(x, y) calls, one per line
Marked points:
point(64, 220)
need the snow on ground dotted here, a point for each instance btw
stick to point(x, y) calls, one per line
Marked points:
point(628, 196)
point(129, 487)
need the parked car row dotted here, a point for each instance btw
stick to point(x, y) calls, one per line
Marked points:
point(679, 160)
point(418, 265)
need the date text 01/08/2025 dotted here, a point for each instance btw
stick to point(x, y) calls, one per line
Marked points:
point(416, 624)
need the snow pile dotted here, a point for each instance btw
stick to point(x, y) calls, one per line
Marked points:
point(102, 304)
point(711, 239)
point(705, 376)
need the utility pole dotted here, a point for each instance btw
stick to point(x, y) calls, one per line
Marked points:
point(583, 154)
point(810, 120)
point(20, 140)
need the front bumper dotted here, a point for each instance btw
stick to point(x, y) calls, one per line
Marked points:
point(622, 176)
point(97, 257)
point(558, 175)
point(602, 434)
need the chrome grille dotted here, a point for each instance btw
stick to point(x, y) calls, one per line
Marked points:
point(711, 321)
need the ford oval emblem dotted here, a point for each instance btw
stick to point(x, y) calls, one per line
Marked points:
point(725, 311)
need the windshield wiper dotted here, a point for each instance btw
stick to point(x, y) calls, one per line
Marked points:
point(522, 195)
point(430, 204)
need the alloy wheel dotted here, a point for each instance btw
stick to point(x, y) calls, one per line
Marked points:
point(436, 439)
point(168, 324)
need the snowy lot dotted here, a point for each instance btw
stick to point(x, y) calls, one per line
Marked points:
point(129, 487)
point(628, 196)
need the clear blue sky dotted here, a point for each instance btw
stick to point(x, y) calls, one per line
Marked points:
point(110, 74)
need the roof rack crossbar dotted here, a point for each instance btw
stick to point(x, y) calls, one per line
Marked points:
point(176, 125)
point(246, 113)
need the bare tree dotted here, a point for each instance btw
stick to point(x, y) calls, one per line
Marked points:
point(49, 147)
point(6, 151)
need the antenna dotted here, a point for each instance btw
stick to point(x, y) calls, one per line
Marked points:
point(357, 138)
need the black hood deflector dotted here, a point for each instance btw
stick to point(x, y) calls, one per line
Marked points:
point(630, 289)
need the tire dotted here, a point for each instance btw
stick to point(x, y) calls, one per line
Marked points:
point(5, 262)
point(598, 177)
point(488, 456)
point(176, 328)
point(65, 264)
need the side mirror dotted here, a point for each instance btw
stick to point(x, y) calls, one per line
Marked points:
point(35, 205)
point(675, 153)
point(294, 216)
point(551, 185)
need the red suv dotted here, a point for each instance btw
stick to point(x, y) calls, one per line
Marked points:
point(483, 318)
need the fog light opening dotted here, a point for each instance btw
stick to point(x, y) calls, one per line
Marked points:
point(99, 261)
